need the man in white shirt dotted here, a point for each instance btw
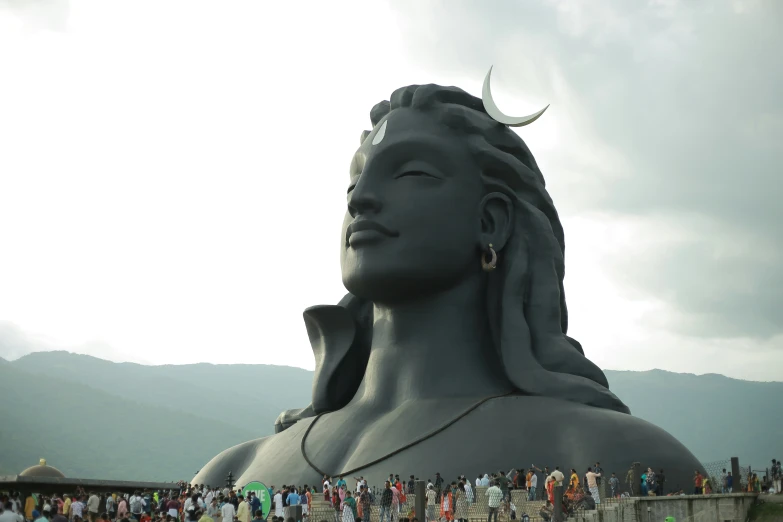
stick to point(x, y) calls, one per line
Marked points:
point(533, 483)
point(8, 514)
point(558, 476)
point(227, 512)
point(592, 484)
point(136, 505)
point(278, 500)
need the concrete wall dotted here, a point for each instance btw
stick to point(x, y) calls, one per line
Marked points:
point(692, 508)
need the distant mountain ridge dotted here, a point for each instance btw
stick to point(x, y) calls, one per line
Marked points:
point(93, 418)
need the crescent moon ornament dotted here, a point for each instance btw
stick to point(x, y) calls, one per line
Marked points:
point(497, 115)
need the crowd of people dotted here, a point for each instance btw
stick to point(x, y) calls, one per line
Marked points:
point(446, 501)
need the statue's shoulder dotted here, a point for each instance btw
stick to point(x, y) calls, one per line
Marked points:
point(234, 460)
point(571, 434)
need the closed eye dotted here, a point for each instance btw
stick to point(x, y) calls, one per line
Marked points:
point(351, 187)
point(416, 173)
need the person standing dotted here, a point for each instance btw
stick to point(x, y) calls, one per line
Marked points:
point(495, 497)
point(213, 511)
point(574, 481)
point(254, 503)
point(614, 485)
point(137, 503)
point(122, 508)
point(29, 507)
point(349, 508)
point(661, 480)
point(307, 500)
point(278, 501)
point(698, 481)
point(431, 496)
point(532, 485)
point(228, 512)
point(366, 504)
point(67, 506)
point(777, 476)
point(243, 513)
point(386, 501)
point(447, 505)
point(461, 504)
point(630, 479)
point(77, 509)
point(292, 499)
point(468, 491)
point(598, 471)
point(93, 505)
point(502, 481)
point(592, 484)
point(172, 507)
point(558, 476)
point(651, 482)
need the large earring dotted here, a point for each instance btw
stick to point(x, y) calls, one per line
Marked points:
point(489, 266)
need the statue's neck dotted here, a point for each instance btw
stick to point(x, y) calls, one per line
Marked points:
point(444, 339)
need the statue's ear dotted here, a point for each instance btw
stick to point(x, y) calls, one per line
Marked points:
point(497, 221)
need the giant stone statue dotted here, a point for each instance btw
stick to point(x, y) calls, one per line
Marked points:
point(450, 352)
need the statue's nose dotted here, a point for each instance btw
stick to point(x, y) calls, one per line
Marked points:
point(363, 200)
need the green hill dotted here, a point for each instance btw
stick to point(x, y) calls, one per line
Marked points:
point(88, 433)
point(715, 416)
point(98, 419)
point(248, 396)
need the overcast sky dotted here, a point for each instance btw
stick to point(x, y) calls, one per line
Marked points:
point(173, 174)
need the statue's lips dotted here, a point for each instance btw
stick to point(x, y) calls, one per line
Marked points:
point(362, 232)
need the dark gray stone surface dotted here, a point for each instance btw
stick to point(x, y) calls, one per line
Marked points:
point(431, 363)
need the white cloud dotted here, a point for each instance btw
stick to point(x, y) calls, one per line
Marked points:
point(172, 174)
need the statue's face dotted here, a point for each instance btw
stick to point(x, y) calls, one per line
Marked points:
point(412, 223)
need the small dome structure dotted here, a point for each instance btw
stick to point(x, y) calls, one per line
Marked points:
point(42, 470)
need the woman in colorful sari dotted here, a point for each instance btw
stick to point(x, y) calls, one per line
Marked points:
point(447, 506)
point(349, 506)
point(550, 489)
point(574, 482)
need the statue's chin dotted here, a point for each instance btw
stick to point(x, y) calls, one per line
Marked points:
point(391, 288)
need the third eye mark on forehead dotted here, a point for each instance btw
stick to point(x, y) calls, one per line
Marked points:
point(381, 134)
